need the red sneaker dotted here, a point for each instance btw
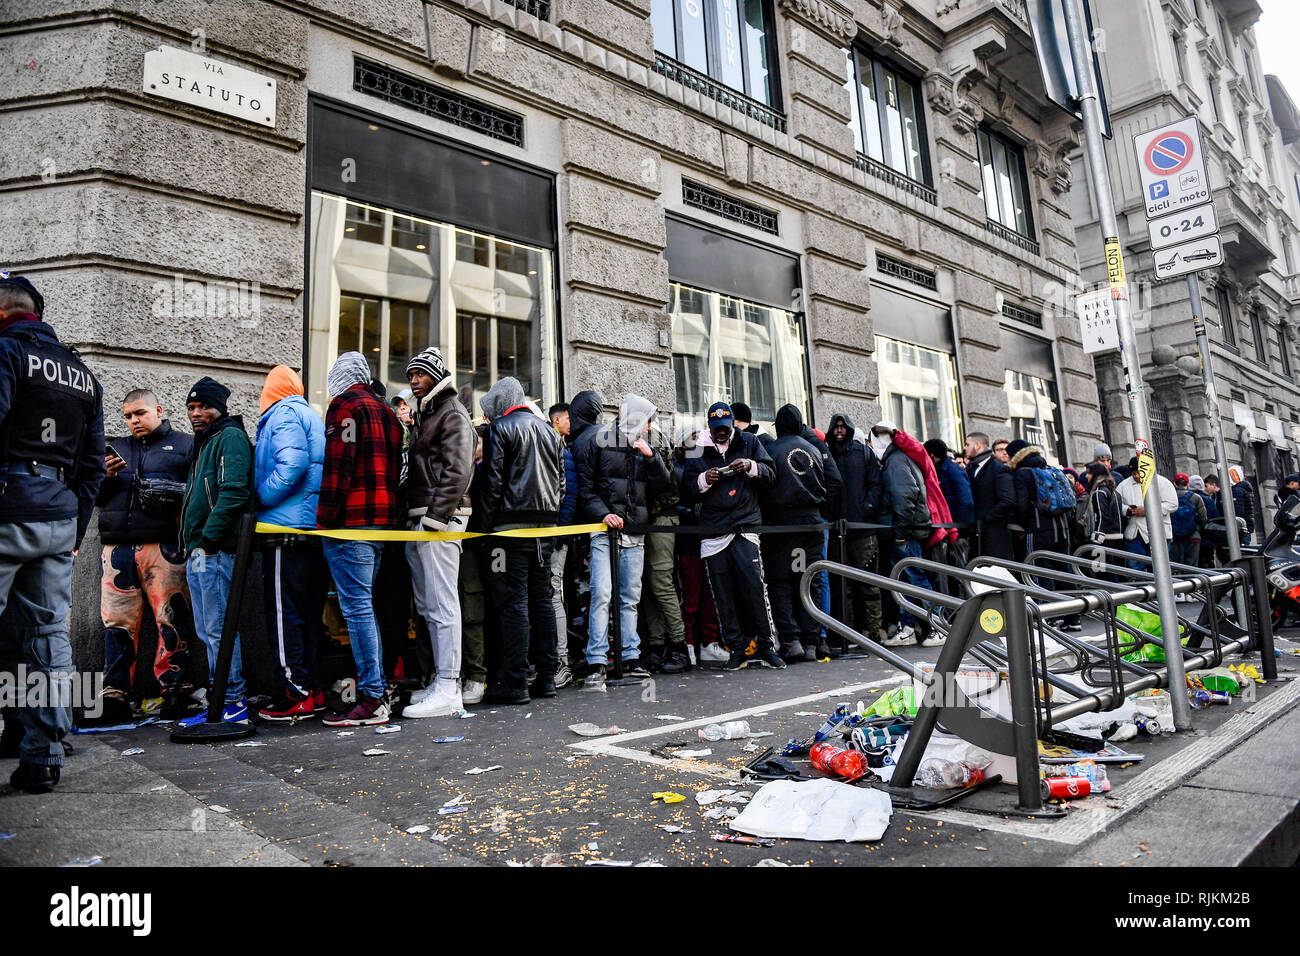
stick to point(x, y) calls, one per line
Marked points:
point(283, 707)
point(318, 699)
point(367, 711)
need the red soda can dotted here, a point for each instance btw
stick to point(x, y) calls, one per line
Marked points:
point(1058, 788)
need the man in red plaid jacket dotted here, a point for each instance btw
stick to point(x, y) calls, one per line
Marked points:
point(363, 447)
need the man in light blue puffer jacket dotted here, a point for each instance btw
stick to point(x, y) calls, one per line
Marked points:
point(288, 458)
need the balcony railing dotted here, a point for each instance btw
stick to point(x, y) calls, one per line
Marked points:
point(1011, 236)
point(895, 178)
point(707, 86)
point(541, 9)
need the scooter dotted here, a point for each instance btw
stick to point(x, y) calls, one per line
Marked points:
point(1283, 562)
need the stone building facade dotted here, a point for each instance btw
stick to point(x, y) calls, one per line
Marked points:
point(860, 207)
point(1163, 60)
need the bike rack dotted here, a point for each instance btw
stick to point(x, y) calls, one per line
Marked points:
point(1017, 614)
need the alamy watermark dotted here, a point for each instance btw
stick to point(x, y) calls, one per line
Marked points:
point(37, 688)
point(191, 299)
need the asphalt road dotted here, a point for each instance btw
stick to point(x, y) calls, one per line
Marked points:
point(307, 793)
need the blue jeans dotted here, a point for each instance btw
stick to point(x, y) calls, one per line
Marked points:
point(209, 579)
point(822, 584)
point(1136, 545)
point(35, 594)
point(353, 565)
point(631, 563)
point(914, 576)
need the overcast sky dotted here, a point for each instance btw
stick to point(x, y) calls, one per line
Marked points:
point(1276, 32)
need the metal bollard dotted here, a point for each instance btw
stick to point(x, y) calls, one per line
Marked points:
point(1023, 718)
point(1256, 567)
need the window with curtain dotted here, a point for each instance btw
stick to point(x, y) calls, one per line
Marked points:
point(888, 117)
point(732, 41)
point(1005, 183)
point(728, 349)
point(918, 390)
point(388, 285)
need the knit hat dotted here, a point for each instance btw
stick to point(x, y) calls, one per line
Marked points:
point(505, 394)
point(1014, 448)
point(741, 412)
point(281, 382)
point(432, 364)
point(349, 369)
point(1097, 470)
point(210, 392)
point(1101, 450)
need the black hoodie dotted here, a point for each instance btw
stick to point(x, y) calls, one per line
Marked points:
point(802, 485)
point(859, 498)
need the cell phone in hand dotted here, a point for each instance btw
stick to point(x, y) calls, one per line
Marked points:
point(112, 452)
point(738, 465)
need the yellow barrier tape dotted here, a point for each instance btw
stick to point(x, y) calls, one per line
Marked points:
point(380, 534)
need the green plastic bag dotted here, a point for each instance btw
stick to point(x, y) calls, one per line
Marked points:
point(1149, 624)
point(900, 700)
point(1220, 680)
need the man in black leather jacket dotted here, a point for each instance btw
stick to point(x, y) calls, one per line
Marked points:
point(524, 486)
point(724, 478)
point(138, 526)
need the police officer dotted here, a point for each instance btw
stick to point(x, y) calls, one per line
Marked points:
point(51, 467)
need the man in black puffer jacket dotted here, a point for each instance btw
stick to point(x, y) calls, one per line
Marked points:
point(618, 473)
point(796, 496)
point(1043, 531)
point(725, 476)
point(139, 513)
point(858, 500)
point(903, 507)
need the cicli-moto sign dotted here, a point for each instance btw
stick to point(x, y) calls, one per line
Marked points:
point(210, 84)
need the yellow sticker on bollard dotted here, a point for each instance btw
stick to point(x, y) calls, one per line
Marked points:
point(991, 621)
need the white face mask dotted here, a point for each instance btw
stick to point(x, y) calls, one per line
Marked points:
point(880, 444)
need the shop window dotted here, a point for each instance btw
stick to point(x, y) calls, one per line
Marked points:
point(1006, 186)
point(729, 349)
point(388, 285)
point(888, 118)
point(730, 41)
point(918, 390)
point(1035, 413)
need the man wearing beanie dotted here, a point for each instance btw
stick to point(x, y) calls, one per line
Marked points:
point(289, 457)
point(1101, 455)
point(218, 492)
point(358, 491)
point(440, 466)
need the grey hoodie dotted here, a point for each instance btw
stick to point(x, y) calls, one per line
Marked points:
point(633, 415)
point(507, 393)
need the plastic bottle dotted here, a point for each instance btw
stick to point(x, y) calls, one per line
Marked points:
point(731, 730)
point(939, 774)
point(1091, 771)
point(848, 764)
point(1204, 698)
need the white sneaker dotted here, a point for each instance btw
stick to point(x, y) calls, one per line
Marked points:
point(443, 702)
point(472, 692)
point(419, 696)
point(934, 640)
point(714, 654)
point(904, 635)
point(690, 653)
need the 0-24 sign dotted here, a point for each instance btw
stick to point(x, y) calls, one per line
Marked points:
point(1183, 226)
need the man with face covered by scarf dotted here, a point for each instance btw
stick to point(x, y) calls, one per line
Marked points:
point(618, 473)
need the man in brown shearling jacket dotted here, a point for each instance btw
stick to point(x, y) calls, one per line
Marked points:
point(440, 466)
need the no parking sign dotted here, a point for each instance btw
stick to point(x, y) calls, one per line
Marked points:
point(1172, 166)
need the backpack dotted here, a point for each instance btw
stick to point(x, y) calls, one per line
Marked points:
point(1055, 493)
point(1183, 520)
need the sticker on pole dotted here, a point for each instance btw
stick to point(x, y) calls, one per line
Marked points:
point(1172, 166)
point(1114, 263)
point(1146, 464)
point(1098, 321)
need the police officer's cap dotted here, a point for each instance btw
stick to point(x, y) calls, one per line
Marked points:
point(22, 282)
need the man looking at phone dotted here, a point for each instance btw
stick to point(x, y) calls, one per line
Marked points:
point(139, 513)
point(724, 478)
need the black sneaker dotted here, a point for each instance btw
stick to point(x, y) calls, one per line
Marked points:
point(675, 662)
point(34, 778)
point(737, 661)
point(178, 704)
point(113, 710)
point(542, 687)
point(810, 653)
point(634, 668)
point(10, 739)
point(508, 696)
point(653, 659)
point(770, 659)
point(823, 651)
point(791, 651)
